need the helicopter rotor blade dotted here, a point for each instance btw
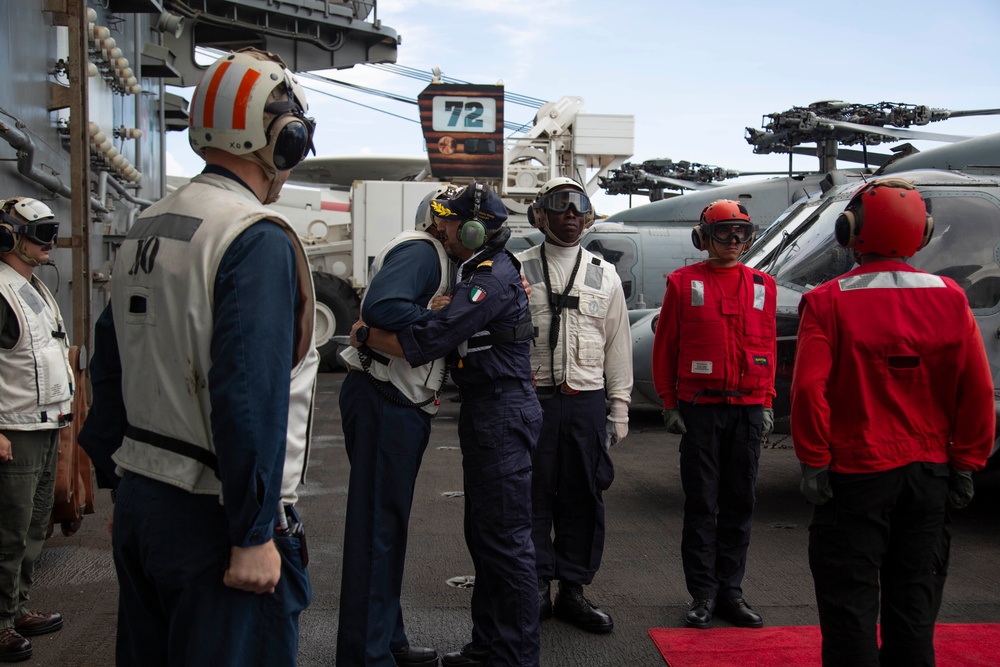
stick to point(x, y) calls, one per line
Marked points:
point(893, 132)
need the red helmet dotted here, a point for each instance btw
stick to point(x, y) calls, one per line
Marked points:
point(724, 211)
point(886, 217)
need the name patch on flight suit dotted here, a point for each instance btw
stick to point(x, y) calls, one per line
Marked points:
point(701, 367)
point(759, 360)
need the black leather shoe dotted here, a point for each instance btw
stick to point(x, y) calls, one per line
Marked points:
point(699, 614)
point(32, 625)
point(415, 656)
point(544, 600)
point(572, 607)
point(739, 613)
point(471, 655)
point(13, 647)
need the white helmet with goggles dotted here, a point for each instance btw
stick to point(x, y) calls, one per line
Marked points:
point(557, 196)
point(248, 103)
point(26, 218)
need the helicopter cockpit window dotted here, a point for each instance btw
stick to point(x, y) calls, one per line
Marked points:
point(812, 257)
point(965, 247)
point(622, 254)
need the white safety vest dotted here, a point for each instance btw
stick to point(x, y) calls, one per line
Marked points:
point(584, 353)
point(162, 298)
point(423, 382)
point(36, 390)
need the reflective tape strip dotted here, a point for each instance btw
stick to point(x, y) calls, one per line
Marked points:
point(230, 81)
point(697, 293)
point(168, 225)
point(758, 297)
point(891, 280)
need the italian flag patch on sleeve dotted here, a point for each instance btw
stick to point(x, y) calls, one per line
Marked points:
point(477, 294)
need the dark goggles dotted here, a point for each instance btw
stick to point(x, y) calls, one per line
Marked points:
point(559, 202)
point(726, 232)
point(295, 137)
point(42, 233)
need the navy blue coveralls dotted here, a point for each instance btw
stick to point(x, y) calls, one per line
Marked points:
point(171, 548)
point(498, 428)
point(385, 437)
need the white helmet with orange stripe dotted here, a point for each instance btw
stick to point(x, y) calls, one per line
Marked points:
point(248, 103)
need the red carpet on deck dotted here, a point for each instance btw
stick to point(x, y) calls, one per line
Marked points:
point(956, 645)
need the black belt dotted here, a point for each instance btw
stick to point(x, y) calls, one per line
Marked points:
point(718, 393)
point(491, 389)
point(174, 445)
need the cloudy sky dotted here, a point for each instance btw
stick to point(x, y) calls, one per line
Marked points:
point(694, 74)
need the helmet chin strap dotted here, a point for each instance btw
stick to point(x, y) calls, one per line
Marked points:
point(270, 173)
point(19, 251)
point(556, 241)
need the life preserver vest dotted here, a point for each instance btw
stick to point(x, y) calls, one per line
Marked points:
point(185, 236)
point(708, 369)
point(581, 363)
point(37, 391)
point(421, 383)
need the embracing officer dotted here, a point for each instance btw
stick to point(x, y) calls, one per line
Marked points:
point(582, 358)
point(486, 329)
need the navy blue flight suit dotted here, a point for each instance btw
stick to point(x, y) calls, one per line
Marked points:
point(499, 424)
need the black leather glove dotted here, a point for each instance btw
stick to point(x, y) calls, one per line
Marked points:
point(960, 489)
point(815, 485)
point(673, 421)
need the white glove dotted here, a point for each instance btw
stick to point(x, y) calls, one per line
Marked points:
point(617, 426)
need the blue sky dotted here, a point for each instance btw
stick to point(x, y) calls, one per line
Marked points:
point(694, 74)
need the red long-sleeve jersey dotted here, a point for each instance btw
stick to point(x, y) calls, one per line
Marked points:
point(890, 369)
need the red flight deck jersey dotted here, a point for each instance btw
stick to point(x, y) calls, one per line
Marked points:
point(890, 369)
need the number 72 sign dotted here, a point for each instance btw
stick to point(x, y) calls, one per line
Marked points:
point(463, 130)
point(464, 114)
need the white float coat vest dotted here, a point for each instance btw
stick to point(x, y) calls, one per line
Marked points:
point(163, 322)
point(585, 353)
point(423, 382)
point(36, 391)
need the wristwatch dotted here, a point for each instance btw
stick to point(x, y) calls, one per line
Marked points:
point(361, 335)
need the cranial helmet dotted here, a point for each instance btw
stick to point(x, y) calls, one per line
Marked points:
point(886, 217)
point(724, 212)
point(248, 103)
point(549, 200)
point(425, 216)
point(26, 218)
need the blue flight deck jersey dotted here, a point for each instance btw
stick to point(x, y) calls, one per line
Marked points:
point(398, 294)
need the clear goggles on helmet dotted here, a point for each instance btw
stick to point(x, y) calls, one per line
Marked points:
point(726, 232)
point(559, 202)
point(294, 139)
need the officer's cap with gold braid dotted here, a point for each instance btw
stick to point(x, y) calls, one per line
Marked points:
point(492, 212)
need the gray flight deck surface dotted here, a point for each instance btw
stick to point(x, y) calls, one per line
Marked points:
point(640, 582)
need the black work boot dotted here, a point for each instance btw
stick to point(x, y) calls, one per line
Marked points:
point(699, 614)
point(471, 655)
point(738, 612)
point(572, 607)
point(544, 600)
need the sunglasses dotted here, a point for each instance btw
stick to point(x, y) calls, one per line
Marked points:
point(559, 202)
point(725, 232)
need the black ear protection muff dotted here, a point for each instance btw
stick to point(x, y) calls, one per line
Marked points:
point(6, 238)
point(291, 134)
point(848, 225)
point(531, 216)
point(472, 232)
